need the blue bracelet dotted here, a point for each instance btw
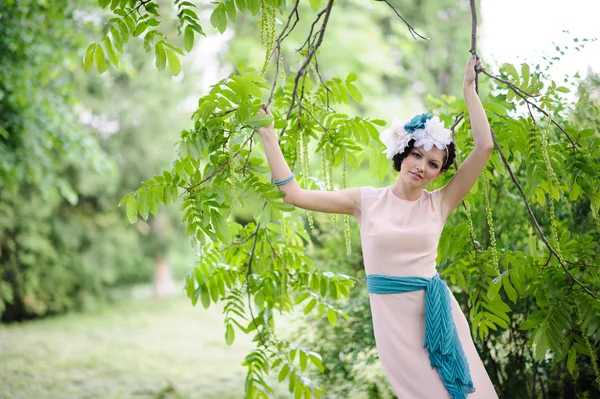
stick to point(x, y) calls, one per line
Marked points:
point(285, 181)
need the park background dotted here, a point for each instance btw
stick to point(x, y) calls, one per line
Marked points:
point(93, 306)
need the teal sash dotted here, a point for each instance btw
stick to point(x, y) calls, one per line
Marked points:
point(441, 338)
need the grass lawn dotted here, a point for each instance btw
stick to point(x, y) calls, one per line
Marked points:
point(142, 348)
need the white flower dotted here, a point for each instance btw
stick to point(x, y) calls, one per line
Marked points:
point(434, 133)
point(395, 138)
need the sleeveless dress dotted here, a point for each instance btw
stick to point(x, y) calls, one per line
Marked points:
point(400, 238)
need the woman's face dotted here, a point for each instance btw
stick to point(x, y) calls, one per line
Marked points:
point(420, 167)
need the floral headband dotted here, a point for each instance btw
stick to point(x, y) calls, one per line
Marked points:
point(425, 129)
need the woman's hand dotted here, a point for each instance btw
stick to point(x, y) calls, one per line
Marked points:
point(473, 68)
point(269, 131)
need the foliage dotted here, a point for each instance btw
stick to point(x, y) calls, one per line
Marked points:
point(62, 242)
point(536, 162)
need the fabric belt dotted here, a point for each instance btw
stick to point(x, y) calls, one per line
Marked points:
point(441, 337)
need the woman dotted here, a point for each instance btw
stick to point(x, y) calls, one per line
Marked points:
point(400, 228)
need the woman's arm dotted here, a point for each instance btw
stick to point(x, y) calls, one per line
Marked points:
point(343, 201)
point(466, 176)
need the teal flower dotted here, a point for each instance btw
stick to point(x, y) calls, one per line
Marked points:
point(418, 122)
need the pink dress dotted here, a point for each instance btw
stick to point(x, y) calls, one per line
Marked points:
point(400, 238)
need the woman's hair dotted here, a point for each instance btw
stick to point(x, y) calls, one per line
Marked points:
point(450, 155)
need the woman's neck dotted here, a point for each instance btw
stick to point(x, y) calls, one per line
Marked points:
point(407, 193)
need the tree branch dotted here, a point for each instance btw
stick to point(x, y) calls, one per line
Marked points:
point(277, 49)
point(523, 95)
point(533, 218)
point(222, 166)
point(412, 30)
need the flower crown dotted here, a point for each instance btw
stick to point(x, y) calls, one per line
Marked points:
point(425, 129)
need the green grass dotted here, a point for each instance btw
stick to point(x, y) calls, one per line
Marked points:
point(141, 348)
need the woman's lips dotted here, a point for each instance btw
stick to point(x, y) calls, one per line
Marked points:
point(416, 176)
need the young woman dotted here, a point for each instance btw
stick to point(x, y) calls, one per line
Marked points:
point(422, 336)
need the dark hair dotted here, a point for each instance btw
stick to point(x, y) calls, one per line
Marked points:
point(450, 152)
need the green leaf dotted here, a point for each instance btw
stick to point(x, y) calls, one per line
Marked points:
point(99, 56)
point(161, 57)
point(265, 216)
point(283, 206)
point(525, 73)
point(189, 288)
point(87, 59)
point(253, 6)
point(221, 227)
point(111, 53)
point(571, 360)
point(125, 199)
point(204, 296)
point(283, 372)
point(143, 206)
point(132, 209)
point(153, 22)
point(142, 26)
point(315, 4)
point(103, 3)
point(310, 306)
point(261, 120)
point(218, 18)
point(493, 289)
point(229, 334)
point(230, 9)
point(124, 32)
point(331, 316)
point(174, 65)
point(508, 288)
point(563, 89)
point(303, 360)
point(153, 200)
point(351, 77)
point(497, 320)
point(317, 360)
point(511, 70)
point(575, 191)
point(354, 92)
point(188, 38)
point(540, 345)
point(117, 40)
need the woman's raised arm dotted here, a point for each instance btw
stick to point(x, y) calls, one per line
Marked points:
point(468, 173)
point(345, 201)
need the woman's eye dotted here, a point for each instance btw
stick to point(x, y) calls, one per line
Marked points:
point(434, 166)
point(416, 154)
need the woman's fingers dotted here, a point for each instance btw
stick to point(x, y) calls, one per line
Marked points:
point(265, 110)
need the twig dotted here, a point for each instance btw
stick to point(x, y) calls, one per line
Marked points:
point(473, 28)
point(523, 95)
point(248, 289)
point(412, 30)
point(243, 168)
point(309, 56)
point(271, 245)
point(223, 113)
point(312, 28)
point(327, 89)
point(222, 166)
point(474, 39)
point(457, 119)
point(277, 48)
point(318, 122)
